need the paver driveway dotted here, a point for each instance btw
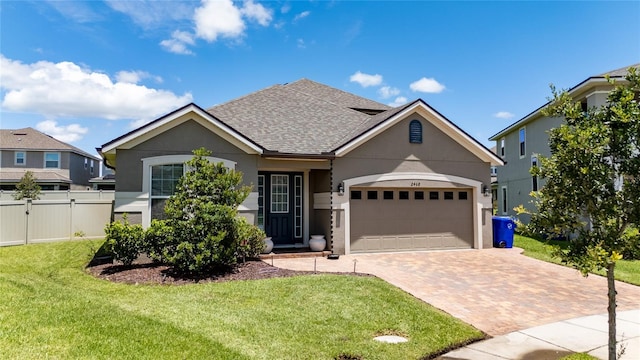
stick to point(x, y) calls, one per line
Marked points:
point(496, 290)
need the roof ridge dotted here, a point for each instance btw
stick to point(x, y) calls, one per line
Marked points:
point(622, 69)
point(334, 89)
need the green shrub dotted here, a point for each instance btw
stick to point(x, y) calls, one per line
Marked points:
point(202, 217)
point(250, 239)
point(631, 239)
point(158, 240)
point(125, 241)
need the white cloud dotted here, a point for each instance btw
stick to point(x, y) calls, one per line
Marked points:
point(134, 77)
point(400, 100)
point(301, 16)
point(66, 89)
point(68, 134)
point(366, 80)
point(178, 43)
point(148, 14)
point(285, 8)
point(301, 44)
point(218, 18)
point(503, 115)
point(387, 91)
point(427, 85)
point(75, 10)
point(256, 12)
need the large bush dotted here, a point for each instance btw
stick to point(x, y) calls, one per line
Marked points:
point(202, 217)
point(125, 241)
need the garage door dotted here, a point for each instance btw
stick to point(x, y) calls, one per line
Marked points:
point(392, 219)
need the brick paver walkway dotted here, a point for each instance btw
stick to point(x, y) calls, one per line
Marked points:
point(496, 290)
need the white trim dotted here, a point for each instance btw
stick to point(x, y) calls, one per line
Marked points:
point(147, 163)
point(305, 207)
point(504, 202)
point(522, 151)
point(235, 137)
point(15, 158)
point(435, 119)
point(44, 157)
point(474, 184)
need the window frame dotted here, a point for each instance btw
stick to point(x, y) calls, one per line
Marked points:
point(522, 141)
point(58, 161)
point(504, 202)
point(534, 179)
point(502, 146)
point(415, 132)
point(24, 158)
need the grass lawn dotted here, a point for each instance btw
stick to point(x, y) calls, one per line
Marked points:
point(626, 270)
point(50, 308)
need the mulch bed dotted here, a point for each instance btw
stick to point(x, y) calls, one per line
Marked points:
point(144, 271)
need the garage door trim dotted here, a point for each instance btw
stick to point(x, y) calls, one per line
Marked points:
point(474, 184)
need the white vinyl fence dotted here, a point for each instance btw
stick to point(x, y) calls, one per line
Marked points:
point(64, 215)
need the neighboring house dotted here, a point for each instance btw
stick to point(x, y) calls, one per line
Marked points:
point(56, 165)
point(321, 161)
point(522, 143)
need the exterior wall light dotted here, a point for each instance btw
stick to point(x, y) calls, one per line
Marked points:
point(341, 189)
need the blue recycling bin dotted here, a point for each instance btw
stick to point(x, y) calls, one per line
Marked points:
point(503, 229)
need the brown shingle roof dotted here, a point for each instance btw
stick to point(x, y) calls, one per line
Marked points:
point(32, 139)
point(303, 117)
point(13, 175)
point(619, 72)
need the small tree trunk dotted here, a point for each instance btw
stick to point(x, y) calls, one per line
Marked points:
point(612, 310)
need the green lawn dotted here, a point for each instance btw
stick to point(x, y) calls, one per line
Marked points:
point(50, 308)
point(626, 270)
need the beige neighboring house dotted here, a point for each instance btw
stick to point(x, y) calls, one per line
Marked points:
point(321, 161)
point(522, 143)
point(56, 165)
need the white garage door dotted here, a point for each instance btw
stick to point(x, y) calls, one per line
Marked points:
point(396, 219)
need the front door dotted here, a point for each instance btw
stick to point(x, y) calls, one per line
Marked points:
point(280, 206)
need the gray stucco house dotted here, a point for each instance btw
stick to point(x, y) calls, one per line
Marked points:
point(56, 165)
point(369, 177)
point(522, 143)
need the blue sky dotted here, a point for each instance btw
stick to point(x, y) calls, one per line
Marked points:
point(87, 72)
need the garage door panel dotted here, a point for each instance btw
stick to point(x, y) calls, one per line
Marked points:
point(415, 224)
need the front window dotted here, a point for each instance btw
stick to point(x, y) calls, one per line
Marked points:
point(91, 170)
point(21, 158)
point(502, 147)
point(164, 179)
point(523, 137)
point(52, 160)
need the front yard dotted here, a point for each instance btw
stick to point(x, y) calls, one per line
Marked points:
point(626, 270)
point(51, 308)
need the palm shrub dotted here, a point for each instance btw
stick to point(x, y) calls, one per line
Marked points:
point(125, 241)
point(202, 217)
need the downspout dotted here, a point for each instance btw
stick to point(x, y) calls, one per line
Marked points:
point(331, 211)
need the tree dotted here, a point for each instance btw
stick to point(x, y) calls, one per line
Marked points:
point(202, 216)
point(592, 189)
point(27, 188)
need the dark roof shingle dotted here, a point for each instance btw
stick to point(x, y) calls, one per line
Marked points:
point(32, 139)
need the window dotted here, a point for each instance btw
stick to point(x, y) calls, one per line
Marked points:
point(279, 194)
point(504, 200)
point(462, 195)
point(502, 147)
point(403, 195)
point(494, 171)
point(86, 163)
point(91, 170)
point(164, 179)
point(448, 195)
point(372, 195)
point(418, 195)
point(356, 194)
point(52, 160)
point(21, 158)
point(415, 132)
point(433, 195)
point(534, 178)
point(387, 195)
point(523, 137)
point(261, 201)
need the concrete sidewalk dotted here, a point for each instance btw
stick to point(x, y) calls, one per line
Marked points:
point(587, 334)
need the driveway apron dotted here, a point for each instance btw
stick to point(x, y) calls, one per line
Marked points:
point(496, 290)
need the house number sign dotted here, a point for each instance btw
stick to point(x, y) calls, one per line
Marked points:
point(415, 183)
